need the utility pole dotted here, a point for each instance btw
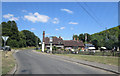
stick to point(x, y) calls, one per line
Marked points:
point(51, 40)
point(86, 41)
point(36, 42)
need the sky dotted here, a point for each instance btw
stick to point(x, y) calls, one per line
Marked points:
point(61, 18)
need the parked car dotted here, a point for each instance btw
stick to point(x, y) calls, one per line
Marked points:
point(7, 48)
point(0, 47)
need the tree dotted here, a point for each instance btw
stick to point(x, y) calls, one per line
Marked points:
point(18, 38)
point(75, 36)
point(95, 43)
point(22, 40)
point(108, 38)
point(88, 37)
point(14, 30)
point(31, 39)
point(82, 37)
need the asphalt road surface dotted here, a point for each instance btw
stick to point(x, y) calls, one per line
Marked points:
point(30, 62)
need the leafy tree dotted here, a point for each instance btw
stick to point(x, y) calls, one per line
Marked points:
point(18, 38)
point(54, 48)
point(75, 36)
point(82, 37)
point(31, 39)
point(95, 43)
point(22, 40)
point(108, 38)
point(13, 43)
point(88, 37)
point(14, 30)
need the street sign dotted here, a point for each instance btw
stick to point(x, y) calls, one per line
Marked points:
point(5, 38)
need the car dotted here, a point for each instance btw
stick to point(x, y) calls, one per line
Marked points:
point(0, 47)
point(7, 48)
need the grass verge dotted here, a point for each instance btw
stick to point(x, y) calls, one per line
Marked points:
point(8, 62)
point(39, 50)
point(100, 59)
point(23, 48)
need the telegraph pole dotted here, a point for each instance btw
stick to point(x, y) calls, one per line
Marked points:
point(86, 40)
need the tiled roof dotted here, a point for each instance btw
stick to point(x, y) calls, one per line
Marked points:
point(55, 40)
point(64, 42)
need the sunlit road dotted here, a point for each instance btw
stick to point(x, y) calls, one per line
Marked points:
point(30, 62)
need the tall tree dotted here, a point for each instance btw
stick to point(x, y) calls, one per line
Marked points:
point(75, 36)
point(18, 38)
point(82, 37)
point(30, 38)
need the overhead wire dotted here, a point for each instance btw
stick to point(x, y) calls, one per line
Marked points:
point(90, 14)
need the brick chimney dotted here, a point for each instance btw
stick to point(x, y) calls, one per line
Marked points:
point(77, 39)
point(60, 37)
point(74, 38)
point(43, 36)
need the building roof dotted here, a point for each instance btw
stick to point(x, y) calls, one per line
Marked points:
point(64, 42)
point(55, 40)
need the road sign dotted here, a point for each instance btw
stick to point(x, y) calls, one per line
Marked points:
point(5, 38)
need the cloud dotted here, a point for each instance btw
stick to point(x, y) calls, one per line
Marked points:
point(67, 10)
point(62, 28)
point(74, 23)
point(24, 11)
point(55, 20)
point(33, 29)
point(36, 17)
point(56, 29)
point(10, 17)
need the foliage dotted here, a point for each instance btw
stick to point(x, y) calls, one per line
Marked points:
point(18, 39)
point(81, 37)
point(54, 48)
point(109, 38)
point(75, 36)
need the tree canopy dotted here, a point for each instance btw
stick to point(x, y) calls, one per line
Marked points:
point(18, 38)
point(108, 38)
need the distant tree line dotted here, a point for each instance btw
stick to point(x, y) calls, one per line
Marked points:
point(18, 39)
point(109, 38)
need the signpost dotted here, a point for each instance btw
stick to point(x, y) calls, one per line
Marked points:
point(5, 39)
point(51, 44)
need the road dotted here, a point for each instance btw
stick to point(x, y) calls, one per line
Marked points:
point(30, 62)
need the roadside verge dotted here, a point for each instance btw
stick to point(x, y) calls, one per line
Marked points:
point(110, 68)
point(9, 64)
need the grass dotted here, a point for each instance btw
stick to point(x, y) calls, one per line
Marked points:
point(0, 63)
point(39, 50)
point(100, 59)
point(8, 62)
point(24, 48)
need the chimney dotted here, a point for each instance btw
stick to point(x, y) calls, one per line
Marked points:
point(60, 37)
point(43, 36)
point(74, 38)
point(77, 39)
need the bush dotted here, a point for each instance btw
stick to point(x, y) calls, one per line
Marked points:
point(39, 50)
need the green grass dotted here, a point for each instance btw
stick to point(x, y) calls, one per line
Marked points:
point(0, 62)
point(100, 59)
point(8, 62)
point(39, 50)
point(24, 48)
